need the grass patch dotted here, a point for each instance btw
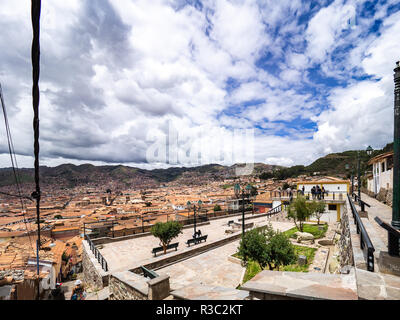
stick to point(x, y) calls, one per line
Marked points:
point(254, 268)
point(309, 228)
point(300, 250)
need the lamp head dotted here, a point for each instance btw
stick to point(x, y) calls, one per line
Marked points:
point(236, 188)
point(248, 188)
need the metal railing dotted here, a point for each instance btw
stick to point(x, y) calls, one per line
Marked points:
point(97, 253)
point(365, 241)
point(275, 210)
point(106, 228)
point(147, 273)
point(327, 195)
point(393, 237)
point(361, 203)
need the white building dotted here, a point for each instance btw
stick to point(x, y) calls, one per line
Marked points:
point(382, 172)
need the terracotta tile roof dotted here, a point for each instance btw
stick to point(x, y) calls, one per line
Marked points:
point(380, 157)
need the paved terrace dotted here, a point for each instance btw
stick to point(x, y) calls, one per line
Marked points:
point(374, 285)
point(210, 268)
point(377, 209)
point(128, 254)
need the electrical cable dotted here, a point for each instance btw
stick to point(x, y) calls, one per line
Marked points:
point(14, 163)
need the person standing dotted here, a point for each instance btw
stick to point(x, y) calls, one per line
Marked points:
point(323, 192)
point(57, 293)
point(79, 292)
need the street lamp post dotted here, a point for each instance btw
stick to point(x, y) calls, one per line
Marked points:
point(396, 148)
point(199, 203)
point(245, 193)
point(369, 151)
point(242, 213)
point(358, 175)
point(194, 220)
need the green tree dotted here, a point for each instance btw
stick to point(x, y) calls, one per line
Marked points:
point(166, 231)
point(254, 246)
point(266, 175)
point(217, 208)
point(280, 251)
point(58, 216)
point(253, 191)
point(299, 210)
point(268, 247)
point(319, 209)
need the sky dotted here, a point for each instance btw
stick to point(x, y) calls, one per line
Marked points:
point(125, 82)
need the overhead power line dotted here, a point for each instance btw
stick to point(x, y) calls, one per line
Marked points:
point(14, 164)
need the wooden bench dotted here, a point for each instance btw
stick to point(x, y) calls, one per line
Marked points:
point(200, 239)
point(196, 240)
point(191, 241)
point(170, 246)
point(230, 222)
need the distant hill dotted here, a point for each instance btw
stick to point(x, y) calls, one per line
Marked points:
point(70, 175)
point(331, 164)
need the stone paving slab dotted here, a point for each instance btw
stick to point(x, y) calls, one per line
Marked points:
point(203, 292)
point(377, 209)
point(377, 286)
point(373, 285)
point(103, 294)
point(212, 268)
point(304, 285)
point(377, 241)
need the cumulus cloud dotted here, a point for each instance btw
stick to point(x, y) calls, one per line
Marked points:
point(115, 78)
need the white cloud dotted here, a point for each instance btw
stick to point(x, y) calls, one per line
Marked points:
point(325, 28)
point(291, 75)
point(239, 30)
point(112, 74)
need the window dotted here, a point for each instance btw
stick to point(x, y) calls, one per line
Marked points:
point(389, 163)
point(383, 166)
point(331, 207)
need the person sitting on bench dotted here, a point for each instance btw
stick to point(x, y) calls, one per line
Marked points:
point(197, 234)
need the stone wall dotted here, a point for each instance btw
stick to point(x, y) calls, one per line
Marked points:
point(385, 195)
point(381, 196)
point(345, 247)
point(117, 238)
point(369, 193)
point(120, 290)
point(389, 197)
point(137, 233)
point(93, 274)
point(126, 285)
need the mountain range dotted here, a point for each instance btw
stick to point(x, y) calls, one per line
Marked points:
point(69, 175)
